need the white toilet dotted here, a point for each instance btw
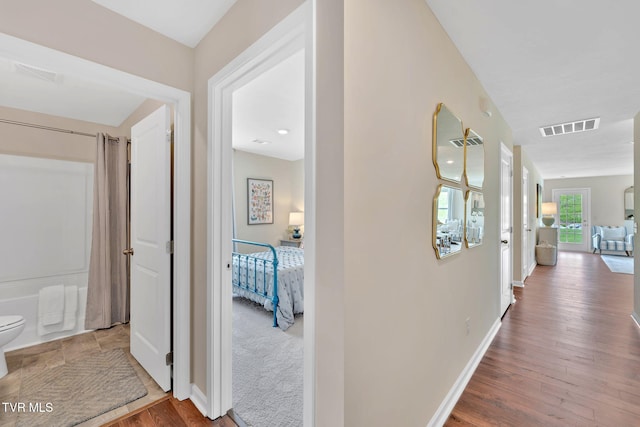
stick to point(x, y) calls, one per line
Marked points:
point(10, 328)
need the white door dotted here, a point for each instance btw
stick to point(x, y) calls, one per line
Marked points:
point(572, 220)
point(526, 230)
point(506, 276)
point(150, 241)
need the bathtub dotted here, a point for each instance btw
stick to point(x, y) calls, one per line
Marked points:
point(27, 307)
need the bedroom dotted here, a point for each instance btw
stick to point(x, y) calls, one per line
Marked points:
point(268, 154)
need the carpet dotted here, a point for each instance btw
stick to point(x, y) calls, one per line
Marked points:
point(267, 368)
point(618, 264)
point(79, 390)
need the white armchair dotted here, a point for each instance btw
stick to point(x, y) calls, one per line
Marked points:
point(612, 239)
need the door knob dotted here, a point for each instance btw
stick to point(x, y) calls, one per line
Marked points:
point(128, 252)
point(504, 241)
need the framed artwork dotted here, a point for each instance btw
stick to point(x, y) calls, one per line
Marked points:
point(538, 200)
point(259, 201)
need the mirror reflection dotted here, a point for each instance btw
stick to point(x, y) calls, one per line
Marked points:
point(474, 218)
point(474, 160)
point(448, 221)
point(628, 203)
point(448, 144)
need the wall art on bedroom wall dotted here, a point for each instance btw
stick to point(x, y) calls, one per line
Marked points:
point(259, 201)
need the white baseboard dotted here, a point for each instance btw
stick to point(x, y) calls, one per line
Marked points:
point(447, 405)
point(199, 399)
point(518, 283)
point(531, 268)
point(636, 318)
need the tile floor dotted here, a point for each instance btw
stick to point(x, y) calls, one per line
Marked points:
point(29, 360)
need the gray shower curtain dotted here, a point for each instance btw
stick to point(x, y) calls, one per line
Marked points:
point(108, 288)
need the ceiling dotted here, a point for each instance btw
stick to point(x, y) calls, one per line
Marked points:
point(185, 21)
point(271, 102)
point(542, 63)
point(549, 62)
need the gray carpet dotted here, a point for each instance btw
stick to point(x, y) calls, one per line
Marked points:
point(267, 368)
point(618, 264)
point(80, 390)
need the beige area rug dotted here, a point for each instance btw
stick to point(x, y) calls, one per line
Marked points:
point(78, 391)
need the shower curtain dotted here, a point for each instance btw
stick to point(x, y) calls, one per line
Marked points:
point(108, 288)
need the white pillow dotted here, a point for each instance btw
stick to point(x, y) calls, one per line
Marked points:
point(614, 233)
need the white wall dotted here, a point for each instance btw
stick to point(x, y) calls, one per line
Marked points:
point(607, 195)
point(287, 177)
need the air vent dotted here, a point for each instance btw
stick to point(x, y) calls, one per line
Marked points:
point(572, 127)
point(37, 73)
point(470, 141)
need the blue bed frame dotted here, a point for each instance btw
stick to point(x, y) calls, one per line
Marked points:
point(259, 266)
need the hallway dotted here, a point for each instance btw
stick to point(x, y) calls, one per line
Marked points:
point(567, 354)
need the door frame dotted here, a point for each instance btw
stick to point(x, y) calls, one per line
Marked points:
point(505, 153)
point(586, 231)
point(289, 36)
point(38, 55)
point(526, 230)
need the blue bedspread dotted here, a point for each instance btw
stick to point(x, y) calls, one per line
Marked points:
point(290, 282)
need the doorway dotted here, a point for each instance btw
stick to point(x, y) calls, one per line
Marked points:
point(50, 59)
point(573, 218)
point(526, 228)
point(506, 228)
point(285, 39)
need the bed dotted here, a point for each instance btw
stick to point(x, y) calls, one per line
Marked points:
point(284, 289)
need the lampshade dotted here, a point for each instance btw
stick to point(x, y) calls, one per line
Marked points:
point(296, 218)
point(549, 208)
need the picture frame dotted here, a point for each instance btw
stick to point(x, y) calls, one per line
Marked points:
point(538, 200)
point(259, 201)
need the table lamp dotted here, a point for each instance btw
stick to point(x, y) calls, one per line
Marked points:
point(296, 220)
point(548, 211)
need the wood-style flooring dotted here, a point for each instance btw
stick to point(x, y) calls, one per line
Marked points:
point(170, 412)
point(567, 354)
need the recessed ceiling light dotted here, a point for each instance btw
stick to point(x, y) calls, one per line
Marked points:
point(283, 131)
point(261, 141)
point(571, 127)
point(449, 162)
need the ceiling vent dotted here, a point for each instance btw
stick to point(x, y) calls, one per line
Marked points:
point(571, 127)
point(37, 73)
point(474, 140)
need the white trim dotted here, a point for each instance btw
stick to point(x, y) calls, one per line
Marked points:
point(36, 55)
point(518, 283)
point(449, 402)
point(199, 399)
point(636, 318)
point(282, 41)
point(532, 267)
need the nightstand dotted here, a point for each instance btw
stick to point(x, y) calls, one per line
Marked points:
point(291, 242)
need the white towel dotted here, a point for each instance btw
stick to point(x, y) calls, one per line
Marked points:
point(51, 305)
point(70, 307)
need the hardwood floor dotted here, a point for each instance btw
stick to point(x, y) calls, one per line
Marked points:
point(567, 354)
point(169, 412)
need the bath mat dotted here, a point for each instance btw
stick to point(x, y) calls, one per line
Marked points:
point(618, 264)
point(78, 391)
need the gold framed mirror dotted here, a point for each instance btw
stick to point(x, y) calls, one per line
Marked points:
point(448, 221)
point(448, 145)
point(474, 219)
point(473, 159)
